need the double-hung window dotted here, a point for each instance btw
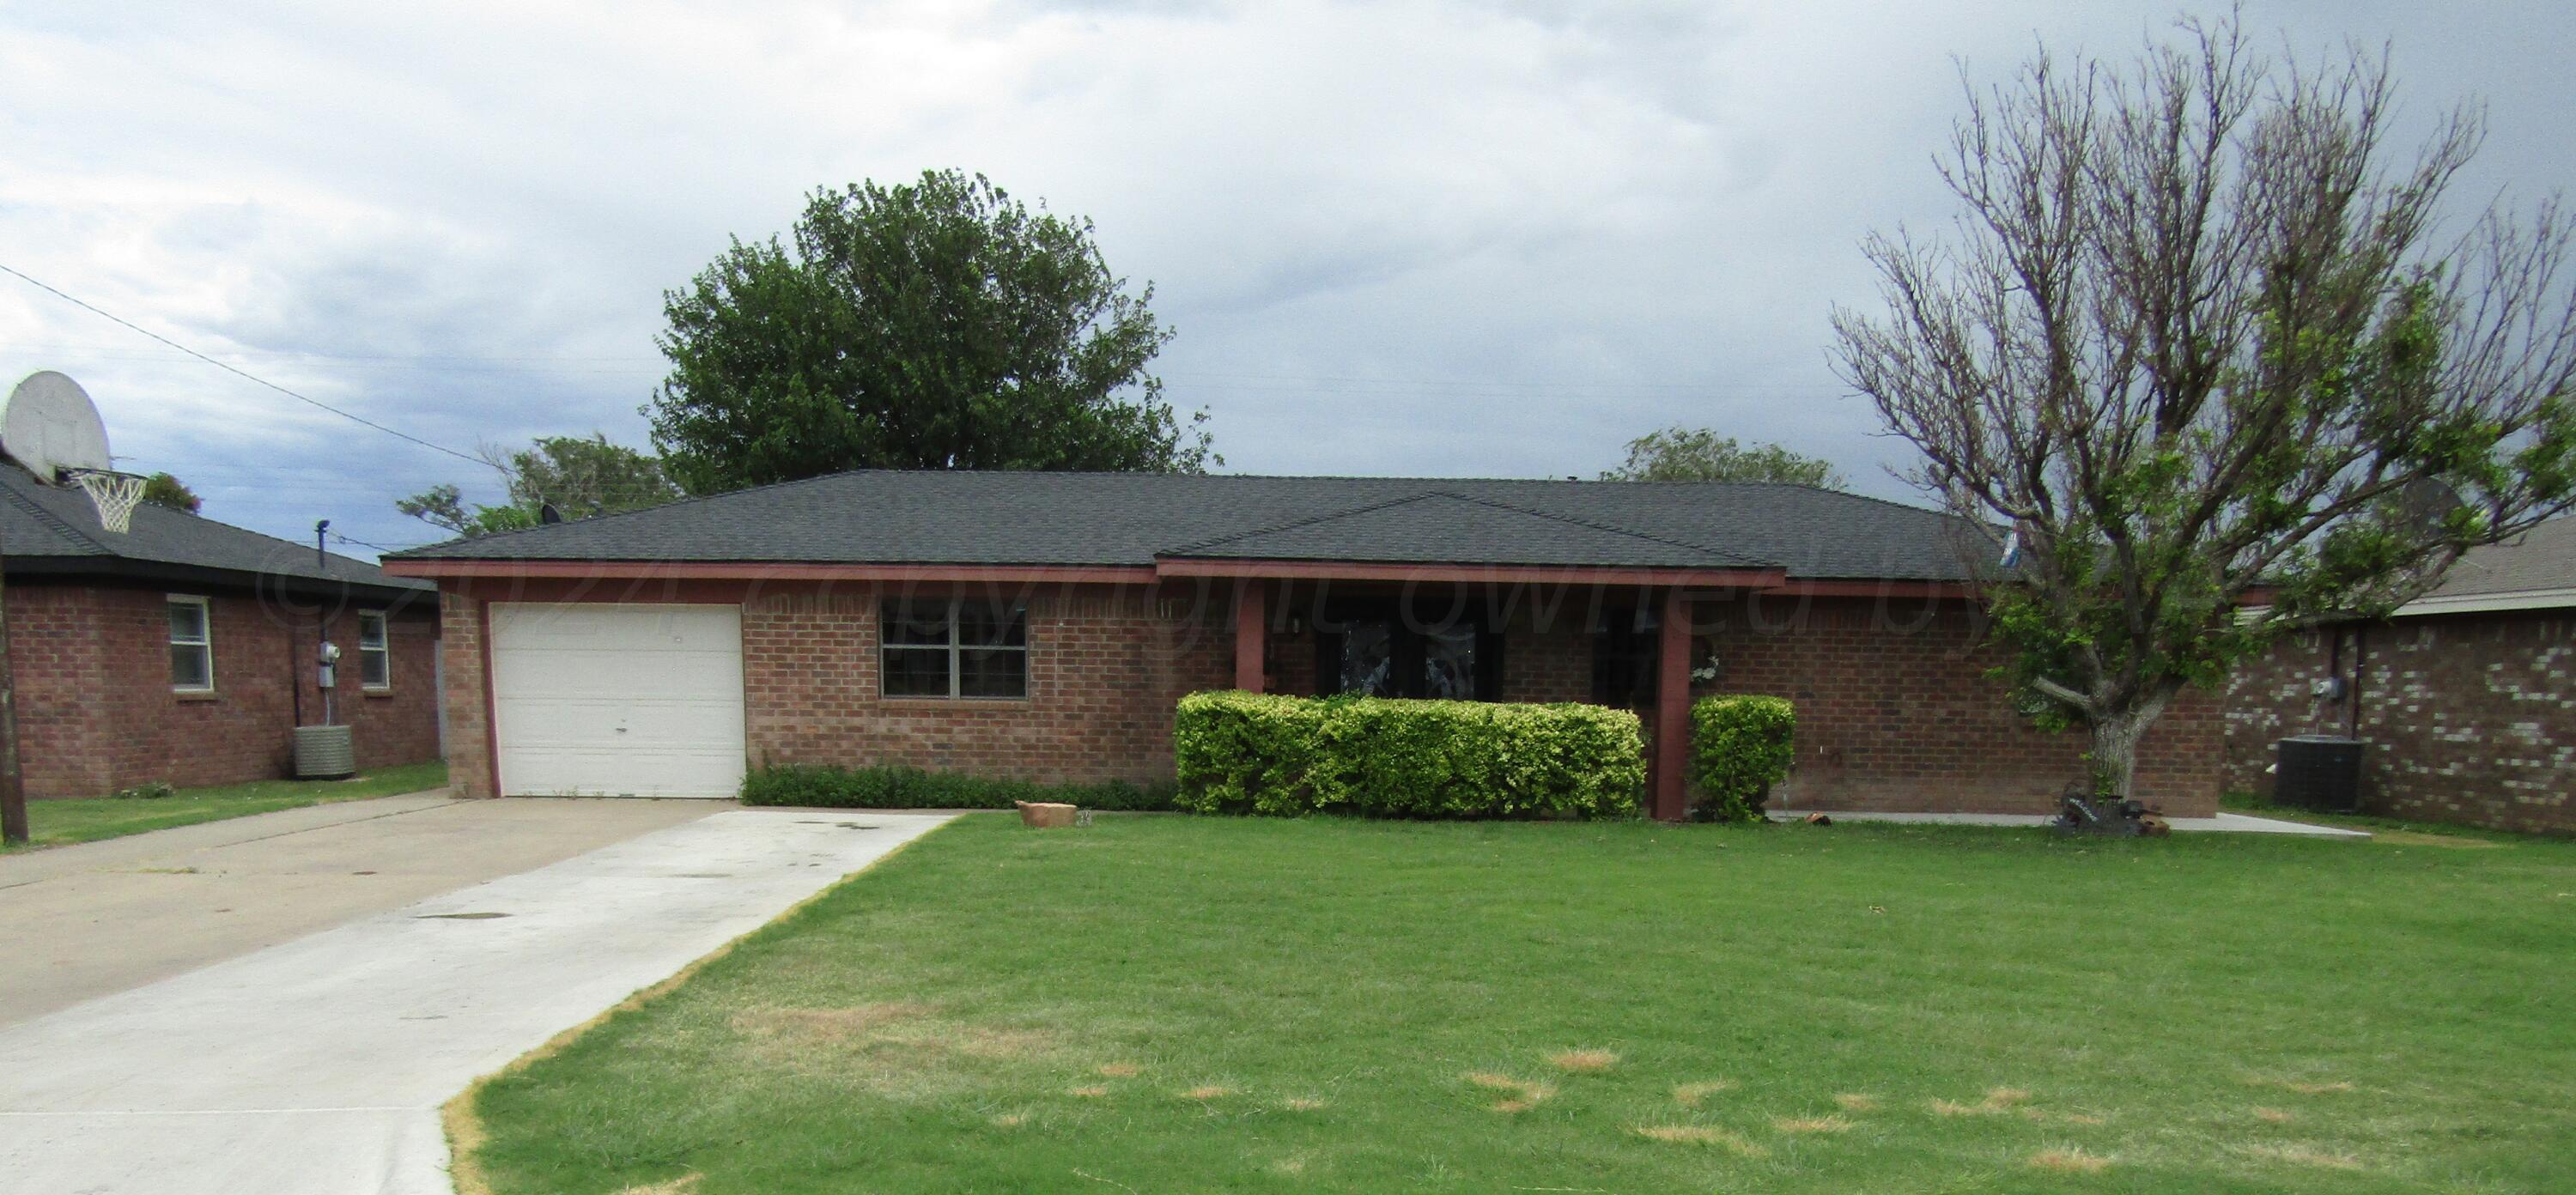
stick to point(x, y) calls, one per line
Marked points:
point(375, 654)
point(956, 648)
point(192, 646)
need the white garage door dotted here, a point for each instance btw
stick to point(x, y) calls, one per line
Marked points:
point(618, 700)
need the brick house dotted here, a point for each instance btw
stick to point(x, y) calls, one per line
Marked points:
point(182, 649)
point(2465, 700)
point(1042, 625)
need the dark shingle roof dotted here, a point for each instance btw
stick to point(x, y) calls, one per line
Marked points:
point(899, 517)
point(58, 526)
point(2539, 560)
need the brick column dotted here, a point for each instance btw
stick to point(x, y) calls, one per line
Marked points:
point(1672, 707)
point(1251, 629)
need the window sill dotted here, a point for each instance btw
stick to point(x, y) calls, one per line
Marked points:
point(383, 692)
point(956, 703)
point(195, 694)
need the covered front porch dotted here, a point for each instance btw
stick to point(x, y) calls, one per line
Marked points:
point(1609, 637)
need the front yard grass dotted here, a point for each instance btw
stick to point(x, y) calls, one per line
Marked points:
point(88, 819)
point(1169, 1004)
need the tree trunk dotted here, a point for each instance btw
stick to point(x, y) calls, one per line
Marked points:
point(2116, 734)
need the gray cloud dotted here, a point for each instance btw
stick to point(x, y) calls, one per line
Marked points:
point(1426, 237)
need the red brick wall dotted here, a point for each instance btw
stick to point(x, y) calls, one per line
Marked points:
point(463, 623)
point(2467, 718)
point(1106, 667)
point(1895, 711)
point(58, 682)
point(92, 665)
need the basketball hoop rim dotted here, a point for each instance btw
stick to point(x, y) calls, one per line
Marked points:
point(113, 494)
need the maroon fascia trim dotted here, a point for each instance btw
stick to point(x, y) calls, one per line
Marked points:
point(658, 570)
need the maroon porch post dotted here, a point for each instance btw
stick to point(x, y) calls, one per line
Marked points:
point(1672, 707)
point(1251, 628)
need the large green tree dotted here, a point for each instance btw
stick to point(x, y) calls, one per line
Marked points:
point(1699, 454)
point(579, 476)
point(2199, 353)
point(934, 325)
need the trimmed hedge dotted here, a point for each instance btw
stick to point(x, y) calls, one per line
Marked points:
point(1740, 747)
point(1381, 757)
point(911, 788)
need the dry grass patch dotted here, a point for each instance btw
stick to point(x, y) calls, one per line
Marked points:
point(2307, 1155)
point(1691, 1095)
point(1694, 1134)
point(1090, 1093)
point(1812, 1124)
point(1525, 1094)
point(1853, 1101)
point(1998, 1101)
point(1301, 1104)
point(2070, 1161)
point(1208, 1092)
point(854, 1023)
point(1120, 1070)
point(1011, 1120)
point(2334, 1088)
point(2273, 1116)
point(678, 1186)
point(1583, 1061)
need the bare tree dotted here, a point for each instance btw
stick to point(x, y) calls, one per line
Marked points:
point(2199, 356)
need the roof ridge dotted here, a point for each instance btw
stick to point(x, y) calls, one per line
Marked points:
point(1667, 541)
point(1293, 524)
point(51, 519)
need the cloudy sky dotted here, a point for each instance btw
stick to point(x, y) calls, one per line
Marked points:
point(1436, 238)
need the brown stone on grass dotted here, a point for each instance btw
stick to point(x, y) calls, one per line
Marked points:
point(1045, 815)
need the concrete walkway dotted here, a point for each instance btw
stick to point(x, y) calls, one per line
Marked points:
point(317, 1067)
point(101, 917)
point(2224, 823)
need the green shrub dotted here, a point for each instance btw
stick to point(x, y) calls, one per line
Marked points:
point(912, 788)
point(1740, 747)
point(1378, 757)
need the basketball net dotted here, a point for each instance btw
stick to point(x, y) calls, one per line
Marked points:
point(113, 493)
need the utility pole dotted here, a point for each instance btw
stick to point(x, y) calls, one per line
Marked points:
point(13, 787)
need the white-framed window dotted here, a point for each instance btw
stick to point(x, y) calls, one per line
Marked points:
point(192, 645)
point(963, 649)
point(375, 652)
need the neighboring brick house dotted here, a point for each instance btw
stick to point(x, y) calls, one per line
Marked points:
point(2465, 700)
point(1043, 625)
point(182, 650)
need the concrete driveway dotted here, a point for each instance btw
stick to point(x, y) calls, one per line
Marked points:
point(317, 1064)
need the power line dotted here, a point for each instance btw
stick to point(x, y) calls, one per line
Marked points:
point(351, 539)
point(238, 371)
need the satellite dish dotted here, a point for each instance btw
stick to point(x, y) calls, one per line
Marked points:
point(546, 513)
point(49, 425)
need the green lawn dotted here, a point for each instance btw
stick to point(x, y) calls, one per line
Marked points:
point(54, 823)
point(1173, 1004)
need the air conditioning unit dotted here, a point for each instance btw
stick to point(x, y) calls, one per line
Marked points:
point(325, 753)
point(2319, 772)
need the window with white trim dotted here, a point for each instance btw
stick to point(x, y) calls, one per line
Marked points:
point(963, 649)
point(192, 646)
point(375, 653)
